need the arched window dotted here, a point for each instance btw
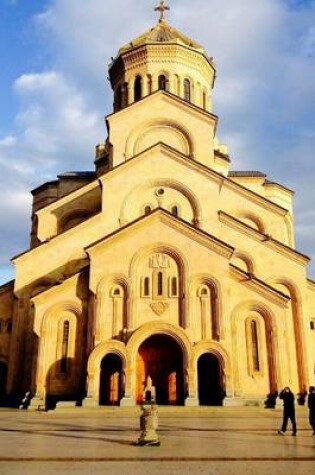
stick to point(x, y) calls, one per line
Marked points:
point(174, 210)
point(65, 347)
point(117, 292)
point(160, 284)
point(173, 287)
point(147, 210)
point(187, 90)
point(255, 350)
point(138, 88)
point(146, 287)
point(204, 292)
point(163, 83)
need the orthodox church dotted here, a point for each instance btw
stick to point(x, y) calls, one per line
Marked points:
point(162, 267)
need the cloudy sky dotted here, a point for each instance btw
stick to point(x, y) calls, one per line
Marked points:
point(54, 93)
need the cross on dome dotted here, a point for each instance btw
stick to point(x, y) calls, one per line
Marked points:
point(162, 8)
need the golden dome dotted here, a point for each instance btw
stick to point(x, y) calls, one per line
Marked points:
point(162, 32)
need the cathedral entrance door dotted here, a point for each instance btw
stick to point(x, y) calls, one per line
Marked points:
point(210, 380)
point(160, 358)
point(110, 381)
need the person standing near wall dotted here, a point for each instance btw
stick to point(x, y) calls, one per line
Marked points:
point(288, 411)
point(311, 407)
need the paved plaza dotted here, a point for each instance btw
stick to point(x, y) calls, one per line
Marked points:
point(206, 441)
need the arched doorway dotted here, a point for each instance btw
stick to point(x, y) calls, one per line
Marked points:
point(161, 358)
point(110, 380)
point(210, 380)
point(3, 379)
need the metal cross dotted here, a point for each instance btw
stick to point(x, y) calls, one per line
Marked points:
point(162, 8)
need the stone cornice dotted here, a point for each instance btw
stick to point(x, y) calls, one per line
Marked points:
point(259, 286)
point(311, 284)
point(172, 153)
point(265, 239)
point(255, 197)
point(166, 95)
point(160, 49)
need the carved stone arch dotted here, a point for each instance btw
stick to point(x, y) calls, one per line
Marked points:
point(49, 340)
point(103, 293)
point(157, 248)
point(138, 87)
point(139, 138)
point(166, 74)
point(247, 261)
point(159, 328)
point(251, 219)
point(215, 293)
point(173, 184)
point(215, 348)
point(102, 349)
point(188, 79)
point(297, 316)
point(94, 364)
point(111, 280)
point(72, 218)
point(182, 266)
point(52, 312)
point(221, 384)
point(271, 331)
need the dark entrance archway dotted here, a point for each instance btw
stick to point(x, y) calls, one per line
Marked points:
point(3, 380)
point(210, 380)
point(161, 358)
point(110, 380)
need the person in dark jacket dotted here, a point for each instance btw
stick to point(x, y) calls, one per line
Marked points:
point(288, 410)
point(311, 407)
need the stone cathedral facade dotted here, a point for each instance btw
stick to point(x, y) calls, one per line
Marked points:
point(161, 265)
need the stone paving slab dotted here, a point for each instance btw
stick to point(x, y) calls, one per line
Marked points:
point(217, 441)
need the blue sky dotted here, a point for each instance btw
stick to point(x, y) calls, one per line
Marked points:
point(54, 93)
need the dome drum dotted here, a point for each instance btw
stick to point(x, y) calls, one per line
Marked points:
point(140, 72)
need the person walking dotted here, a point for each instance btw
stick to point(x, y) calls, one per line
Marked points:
point(311, 407)
point(288, 411)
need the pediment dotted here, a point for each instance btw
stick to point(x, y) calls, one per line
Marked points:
point(162, 117)
point(162, 226)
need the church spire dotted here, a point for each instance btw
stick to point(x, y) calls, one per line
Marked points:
point(162, 8)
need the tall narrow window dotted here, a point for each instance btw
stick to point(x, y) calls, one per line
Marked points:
point(138, 88)
point(147, 210)
point(187, 90)
point(255, 349)
point(163, 82)
point(146, 287)
point(175, 210)
point(160, 284)
point(173, 287)
point(65, 348)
